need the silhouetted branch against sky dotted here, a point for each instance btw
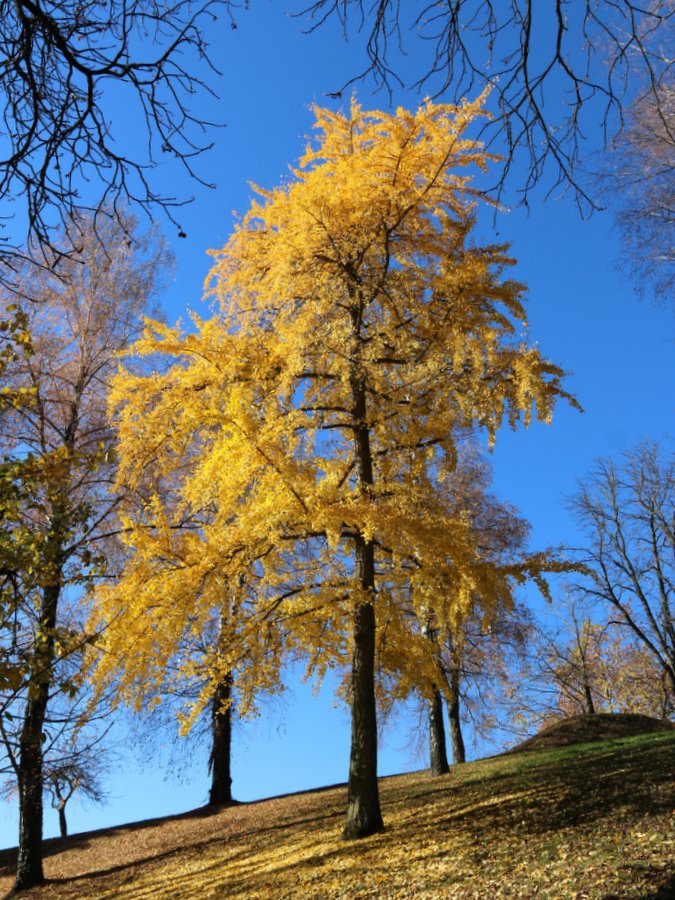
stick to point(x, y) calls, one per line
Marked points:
point(560, 71)
point(64, 63)
point(561, 75)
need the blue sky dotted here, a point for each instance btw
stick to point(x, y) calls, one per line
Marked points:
point(583, 312)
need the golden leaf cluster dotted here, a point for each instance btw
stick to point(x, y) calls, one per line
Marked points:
point(356, 330)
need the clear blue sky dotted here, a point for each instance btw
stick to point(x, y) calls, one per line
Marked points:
point(583, 313)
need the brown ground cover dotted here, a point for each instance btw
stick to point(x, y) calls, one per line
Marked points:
point(583, 822)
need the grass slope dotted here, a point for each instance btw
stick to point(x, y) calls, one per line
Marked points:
point(587, 821)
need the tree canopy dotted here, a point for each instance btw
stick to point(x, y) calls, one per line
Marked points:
point(305, 428)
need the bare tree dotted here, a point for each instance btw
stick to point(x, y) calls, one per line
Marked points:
point(580, 662)
point(640, 183)
point(62, 62)
point(574, 665)
point(557, 71)
point(628, 513)
point(76, 751)
point(86, 315)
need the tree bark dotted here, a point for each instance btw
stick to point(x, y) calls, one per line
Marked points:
point(456, 738)
point(221, 749)
point(588, 696)
point(364, 816)
point(63, 823)
point(438, 757)
point(30, 771)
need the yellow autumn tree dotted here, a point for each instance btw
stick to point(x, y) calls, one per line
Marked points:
point(357, 328)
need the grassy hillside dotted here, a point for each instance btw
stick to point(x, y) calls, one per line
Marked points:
point(586, 821)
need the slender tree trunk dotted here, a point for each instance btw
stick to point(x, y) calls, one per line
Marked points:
point(63, 823)
point(456, 738)
point(30, 771)
point(221, 749)
point(438, 757)
point(364, 816)
point(588, 696)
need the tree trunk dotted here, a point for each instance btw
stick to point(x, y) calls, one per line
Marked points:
point(29, 870)
point(29, 864)
point(588, 697)
point(63, 824)
point(438, 757)
point(364, 816)
point(456, 739)
point(221, 749)
point(670, 686)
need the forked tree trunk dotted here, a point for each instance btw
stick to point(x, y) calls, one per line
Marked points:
point(456, 738)
point(221, 748)
point(61, 806)
point(438, 757)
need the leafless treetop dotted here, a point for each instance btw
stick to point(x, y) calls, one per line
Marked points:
point(61, 62)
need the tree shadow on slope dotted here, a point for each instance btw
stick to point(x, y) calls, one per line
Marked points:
point(294, 842)
point(558, 789)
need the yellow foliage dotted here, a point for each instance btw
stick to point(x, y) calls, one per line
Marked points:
point(357, 329)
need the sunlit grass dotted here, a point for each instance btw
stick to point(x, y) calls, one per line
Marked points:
point(591, 821)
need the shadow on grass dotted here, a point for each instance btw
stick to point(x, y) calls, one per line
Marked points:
point(536, 795)
point(82, 840)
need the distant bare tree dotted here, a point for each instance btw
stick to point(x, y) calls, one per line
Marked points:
point(76, 751)
point(581, 661)
point(641, 181)
point(628, 513)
